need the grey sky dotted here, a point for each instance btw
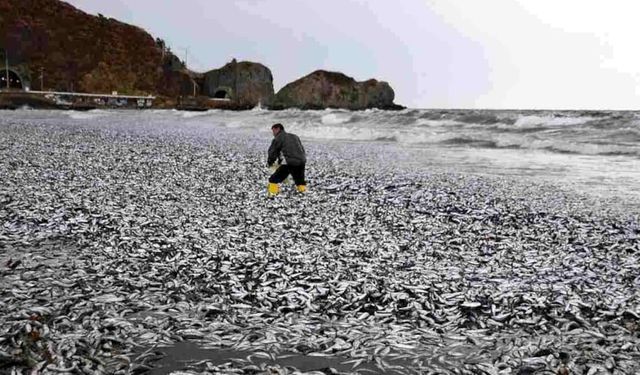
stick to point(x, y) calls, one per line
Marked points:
point(573, 54)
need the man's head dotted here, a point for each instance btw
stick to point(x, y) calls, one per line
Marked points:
point(276, 129)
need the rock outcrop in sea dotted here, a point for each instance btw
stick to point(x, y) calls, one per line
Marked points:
point(323, 89)
point(247, 83)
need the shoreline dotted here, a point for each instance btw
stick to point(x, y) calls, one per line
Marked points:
point(163, 235)
point(14, 100)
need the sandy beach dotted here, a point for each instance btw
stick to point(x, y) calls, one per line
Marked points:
point(119, 241)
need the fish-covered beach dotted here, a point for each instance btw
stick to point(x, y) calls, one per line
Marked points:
point(429, 242)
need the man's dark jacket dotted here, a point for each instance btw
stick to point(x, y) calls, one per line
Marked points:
point(287, 145)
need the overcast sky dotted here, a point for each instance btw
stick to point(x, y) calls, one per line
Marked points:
point(556, 54)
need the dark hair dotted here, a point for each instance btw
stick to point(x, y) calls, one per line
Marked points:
point(277, 126)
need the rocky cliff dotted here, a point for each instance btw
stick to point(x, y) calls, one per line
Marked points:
point(53, 46)
point(245, 83)
point(76, 51)
point(323, 89)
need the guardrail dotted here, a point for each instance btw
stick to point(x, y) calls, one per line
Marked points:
point(90, 95)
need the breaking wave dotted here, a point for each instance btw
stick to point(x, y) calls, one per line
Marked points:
point(335, 118)
point(88, 115)
point(558, 132)
point(192, 114)
point(537, 121)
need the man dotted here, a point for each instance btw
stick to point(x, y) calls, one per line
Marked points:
point(288, 150)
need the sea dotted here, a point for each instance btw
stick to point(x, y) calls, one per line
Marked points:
point(592, 152)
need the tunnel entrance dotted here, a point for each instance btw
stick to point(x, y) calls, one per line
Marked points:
point(15, 82)
point(221, 94)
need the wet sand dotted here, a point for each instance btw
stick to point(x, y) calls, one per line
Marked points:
point(185, 355)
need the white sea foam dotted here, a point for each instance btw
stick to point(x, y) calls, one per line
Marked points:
point(436, 123)
point(88, 115)
point(340, 133)
point(192, 114)
point(533, 121)
point(336, 118)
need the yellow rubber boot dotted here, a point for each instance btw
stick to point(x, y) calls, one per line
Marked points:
point(301, 188)
point(272, 189)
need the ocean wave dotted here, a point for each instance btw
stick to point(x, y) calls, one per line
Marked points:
point(410, 112)
point(412, 136)
point(627, 134)
point(192, 114)
point(482, 119)
point(416, 136)
point(568, 147)
point(462, 141)
point(88, 115)
point(336, 118)
point(161, 111)
point(433, 115)
point(342, 133)
point(241, 124)
point(437, 123)
point(558, 132)
point(527, 121)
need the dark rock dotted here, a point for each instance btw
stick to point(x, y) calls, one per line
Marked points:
point(178, 83)
point(245, 83)
point(322, 89)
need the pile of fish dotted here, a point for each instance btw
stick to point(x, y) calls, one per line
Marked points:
point(117, 241)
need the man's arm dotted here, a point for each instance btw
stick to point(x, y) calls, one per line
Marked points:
point(274, 151)
point(302, 147)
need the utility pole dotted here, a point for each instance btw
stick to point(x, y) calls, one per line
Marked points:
point(6, 65)
point(186, 55)
point(41, 78)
